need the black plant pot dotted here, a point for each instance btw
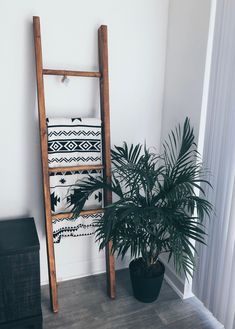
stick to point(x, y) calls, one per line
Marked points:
point(146, 288)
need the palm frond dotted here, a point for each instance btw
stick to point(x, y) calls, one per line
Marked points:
point(160, 200)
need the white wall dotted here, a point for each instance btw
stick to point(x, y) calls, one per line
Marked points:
point(137, 44)
point(185, 64)
point(188, 27)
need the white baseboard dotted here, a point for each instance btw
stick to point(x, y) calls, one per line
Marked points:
point(173, 286)
point(81, 269)
point(175, 282)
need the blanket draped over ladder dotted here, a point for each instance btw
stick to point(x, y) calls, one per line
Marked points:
point(73, 142)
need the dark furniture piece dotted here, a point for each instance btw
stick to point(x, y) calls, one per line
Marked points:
point(20, 293)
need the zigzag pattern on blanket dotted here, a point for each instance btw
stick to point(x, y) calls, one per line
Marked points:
point(86, 160)
point(74, 141)
point(74, 133)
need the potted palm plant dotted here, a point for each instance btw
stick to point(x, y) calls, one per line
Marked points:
point(157, 208)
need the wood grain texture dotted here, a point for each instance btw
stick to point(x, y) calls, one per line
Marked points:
point(72, 73)
point(76, 168)
point(85, 305)
point(106, 147)
point(44, 159)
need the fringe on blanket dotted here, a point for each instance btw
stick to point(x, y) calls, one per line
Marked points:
point(81, 226)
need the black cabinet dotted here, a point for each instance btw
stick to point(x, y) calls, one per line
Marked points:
point(20, 295)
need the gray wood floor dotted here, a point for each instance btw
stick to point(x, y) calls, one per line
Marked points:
point(85, 305)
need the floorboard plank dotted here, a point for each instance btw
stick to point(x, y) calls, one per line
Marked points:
point(85, 305)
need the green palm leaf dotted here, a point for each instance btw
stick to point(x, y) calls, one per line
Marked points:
point(160, 203)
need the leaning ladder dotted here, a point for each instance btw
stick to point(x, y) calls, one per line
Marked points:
point(106, 163)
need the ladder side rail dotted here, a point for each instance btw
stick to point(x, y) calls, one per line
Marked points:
point(44, 158)
point(106, 152)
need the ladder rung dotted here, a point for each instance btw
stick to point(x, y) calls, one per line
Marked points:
point(76, 168)
point(72, 73)
point(83, 212)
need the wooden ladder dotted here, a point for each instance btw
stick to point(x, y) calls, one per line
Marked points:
point(106, 163)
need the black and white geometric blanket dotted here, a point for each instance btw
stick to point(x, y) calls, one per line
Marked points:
point(62, 190)
point(73, 141)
